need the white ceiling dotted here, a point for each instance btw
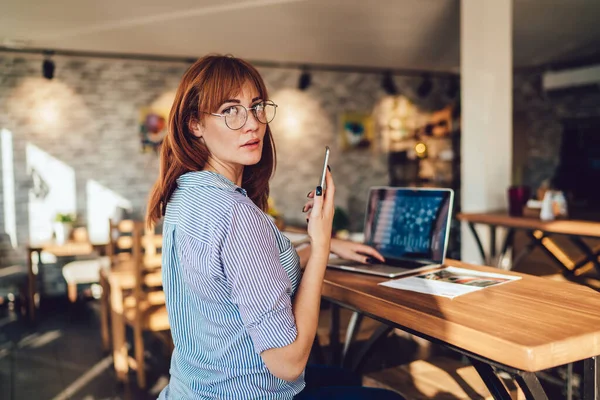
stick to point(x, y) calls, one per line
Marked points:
point(416, 34)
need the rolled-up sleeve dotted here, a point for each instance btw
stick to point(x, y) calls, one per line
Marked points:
point(260, 286)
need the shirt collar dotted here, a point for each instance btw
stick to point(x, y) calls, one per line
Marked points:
point(208, 178)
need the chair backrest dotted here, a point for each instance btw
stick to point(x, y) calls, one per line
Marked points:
point(120, 240)
point(147, 253)
point(152, 247)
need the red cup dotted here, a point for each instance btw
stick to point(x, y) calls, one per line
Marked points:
point(517, 199)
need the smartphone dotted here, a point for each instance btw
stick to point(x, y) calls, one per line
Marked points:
point(325, 163)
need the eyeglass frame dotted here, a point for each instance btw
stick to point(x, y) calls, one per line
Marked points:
point(270, 102)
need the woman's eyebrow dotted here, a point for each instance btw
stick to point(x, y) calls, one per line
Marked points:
point(237, 101)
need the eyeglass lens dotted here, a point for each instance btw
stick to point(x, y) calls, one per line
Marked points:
point(236, 116)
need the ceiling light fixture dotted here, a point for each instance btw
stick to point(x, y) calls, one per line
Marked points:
point(453, 88)
point(304, 81)
point(48, 65)
point(388, 84)
point(425, 87)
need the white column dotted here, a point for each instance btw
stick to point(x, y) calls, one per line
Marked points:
point(486, 97)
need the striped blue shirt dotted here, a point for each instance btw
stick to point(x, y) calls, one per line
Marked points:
point(229, 276)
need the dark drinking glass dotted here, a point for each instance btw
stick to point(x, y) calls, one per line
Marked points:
point(517, 199)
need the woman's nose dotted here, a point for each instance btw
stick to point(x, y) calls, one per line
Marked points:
point(251, 122)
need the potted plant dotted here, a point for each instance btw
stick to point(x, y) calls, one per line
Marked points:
point(341, 222)
point(63, 225)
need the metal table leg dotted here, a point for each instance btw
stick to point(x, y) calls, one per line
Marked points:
point(478, 241)
point(589, 253)
point(491, 380)
point(526, 251)
point(591, 378)
point(508, 244)
point(381, 332)
point(492, 252)
point(530, 385)
point(353, 328)
point(569, 381)
point(334, 334)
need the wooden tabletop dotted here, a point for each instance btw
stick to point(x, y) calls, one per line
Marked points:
point(530, 324)
point(563, 227)
point(64, 250)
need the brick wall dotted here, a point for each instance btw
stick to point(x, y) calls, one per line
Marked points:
point(93, 128)
point(537, 124)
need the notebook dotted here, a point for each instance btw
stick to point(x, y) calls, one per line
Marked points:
point(408, 226)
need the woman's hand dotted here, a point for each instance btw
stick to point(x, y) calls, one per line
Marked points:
point(354, 251)
point(309, 204)
point(321, 216)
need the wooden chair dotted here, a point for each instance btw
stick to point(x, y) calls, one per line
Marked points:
point(119, 252)
point(143, 308)
point(83, 272)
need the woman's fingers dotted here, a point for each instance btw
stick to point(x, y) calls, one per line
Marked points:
point(368, 250)
point(307, 206)
point(330, 192)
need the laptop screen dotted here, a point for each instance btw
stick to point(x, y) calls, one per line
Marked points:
point(409, 223)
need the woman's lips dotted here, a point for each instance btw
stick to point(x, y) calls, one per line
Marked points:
point(251, 144)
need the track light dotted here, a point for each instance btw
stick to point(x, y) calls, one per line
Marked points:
point(425, 87)
point(48, 66)
point(453, 88)
point(388, 84)
point(304, 81)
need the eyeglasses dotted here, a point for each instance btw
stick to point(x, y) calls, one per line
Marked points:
point(236, 116)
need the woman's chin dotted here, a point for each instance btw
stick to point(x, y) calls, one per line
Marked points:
point(251, 160)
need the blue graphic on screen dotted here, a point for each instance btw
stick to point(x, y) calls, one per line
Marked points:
point(407, 224)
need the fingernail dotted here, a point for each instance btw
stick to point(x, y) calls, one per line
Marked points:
point(308, 195)
point(328, 167)
point(304, 209)
point(319, 191)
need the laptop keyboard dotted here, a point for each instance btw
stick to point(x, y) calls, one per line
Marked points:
point(404, 264)
point(399, 264)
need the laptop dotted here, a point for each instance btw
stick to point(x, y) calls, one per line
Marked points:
point(408, 226)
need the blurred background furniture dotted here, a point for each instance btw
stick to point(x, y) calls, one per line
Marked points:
point(541, 235)
point(69, 249)
point(84, 273)
point(13, 279)
point(137, 300)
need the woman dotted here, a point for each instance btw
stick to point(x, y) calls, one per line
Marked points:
point(242, 317)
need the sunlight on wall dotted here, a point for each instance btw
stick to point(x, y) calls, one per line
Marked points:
point(8, 186)
point(296, 111)
point(52, 191)
point(101, 205)
point(44, 103)
point(164, 101)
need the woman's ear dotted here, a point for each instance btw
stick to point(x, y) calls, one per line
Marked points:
point(196, 128)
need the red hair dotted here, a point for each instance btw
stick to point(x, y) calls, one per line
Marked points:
point(205, 86)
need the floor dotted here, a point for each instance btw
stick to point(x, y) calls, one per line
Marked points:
point(60, 357)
